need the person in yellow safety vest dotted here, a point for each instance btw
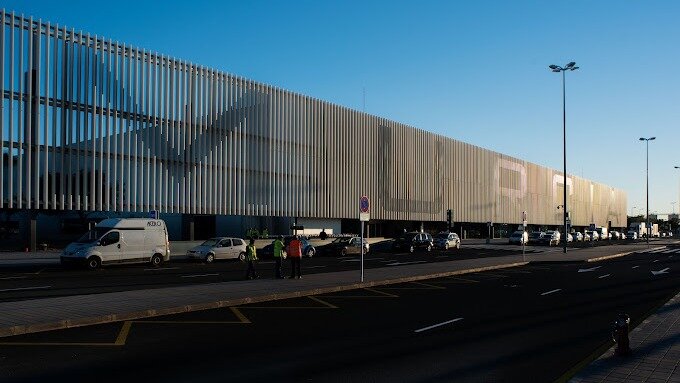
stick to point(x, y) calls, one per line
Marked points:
point(251, 257)
point(278, 256)
point(294, 254)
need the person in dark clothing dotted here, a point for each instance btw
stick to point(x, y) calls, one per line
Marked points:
point(251, 257)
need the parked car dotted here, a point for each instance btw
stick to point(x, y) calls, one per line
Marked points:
point(446, 241)
point(570, 238)
point(551, 237)
point(592, 235)
point(578, 236)
point(519, 237)
point(219, 248)
point(412, 241)
point(632, 235)
point(615, 234)
point(345, 245)
point(120, 240)
point(308, 250)
point(536, 237)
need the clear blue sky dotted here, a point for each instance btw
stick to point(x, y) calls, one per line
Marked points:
point(471, 70)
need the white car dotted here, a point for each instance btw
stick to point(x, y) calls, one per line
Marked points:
point(578, 236)
point(219, 248)
point(632, 235)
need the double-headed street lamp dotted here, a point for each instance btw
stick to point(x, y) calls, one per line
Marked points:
point(647, 141)
point(555, 68)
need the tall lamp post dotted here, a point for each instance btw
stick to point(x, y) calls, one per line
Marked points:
point(677, 167)
point(647, 142)
point(569, 67)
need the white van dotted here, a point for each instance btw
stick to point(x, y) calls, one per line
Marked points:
point(120, 240)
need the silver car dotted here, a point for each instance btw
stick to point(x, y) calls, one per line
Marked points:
point(447, 241)
point(219, 248)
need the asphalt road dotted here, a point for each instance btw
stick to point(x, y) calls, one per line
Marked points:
point(31, 281)
point(532, 323)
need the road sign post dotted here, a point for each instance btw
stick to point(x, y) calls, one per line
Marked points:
point(364, 216)
point(524, 231)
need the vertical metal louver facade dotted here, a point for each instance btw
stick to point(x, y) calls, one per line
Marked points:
point(92, 124)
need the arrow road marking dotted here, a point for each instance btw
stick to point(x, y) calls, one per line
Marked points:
point(437, 325)
point(551, 291)
point(603, 276)
point(664, 271)
point(588, 270)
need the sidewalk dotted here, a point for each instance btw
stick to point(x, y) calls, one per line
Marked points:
point(656, 353)
point(37, 315)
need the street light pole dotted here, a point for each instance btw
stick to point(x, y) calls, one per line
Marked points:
point(570, 66)
point(647, 141)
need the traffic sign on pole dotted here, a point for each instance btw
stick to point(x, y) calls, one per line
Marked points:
point(364, 209)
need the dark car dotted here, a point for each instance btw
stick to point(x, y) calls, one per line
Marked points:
point(412, 241)
point(308, 250)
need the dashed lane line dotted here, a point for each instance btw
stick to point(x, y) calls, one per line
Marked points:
point(200, 275)
point(437, 325)
point(5, 278)
point(604, 276)
point(422, 286)
point(26, 288)
point(635, 267)
point(551, 292)
point(162, 268)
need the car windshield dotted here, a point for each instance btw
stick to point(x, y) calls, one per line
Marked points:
point(93, 235)
point(442, 236)
point(341, 240)
point(535, 235)
point(211, 242)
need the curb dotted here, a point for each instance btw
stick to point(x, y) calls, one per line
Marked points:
point(603, 258)
point(70, 323)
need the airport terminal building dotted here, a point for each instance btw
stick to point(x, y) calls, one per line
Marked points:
point(93, 128)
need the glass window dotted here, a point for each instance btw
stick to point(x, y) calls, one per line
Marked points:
point(225, 242)
point(238, 242)
point(110, 238)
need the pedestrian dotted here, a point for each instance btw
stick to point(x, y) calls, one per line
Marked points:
point(278, 256)
point(294, 254)
point(251, 257)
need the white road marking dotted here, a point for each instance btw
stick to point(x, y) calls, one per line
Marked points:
point(345, 257)
point(351, 260)
point(604, 276)
point(551, 291)
point(655, 261)
point(405, 263)
point(13, 278)
point(199, 275)
point(162, 268)
point(437, 325)
point(635, 267)
point(442, 256)
point(664, 271)
point(588, 270)
point(26, 288)
point(314, 267)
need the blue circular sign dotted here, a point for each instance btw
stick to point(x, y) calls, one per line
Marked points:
point(363, 204)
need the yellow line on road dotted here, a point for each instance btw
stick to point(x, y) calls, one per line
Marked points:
point(123, 334)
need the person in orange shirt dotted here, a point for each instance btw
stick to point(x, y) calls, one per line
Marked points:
point(295, 254)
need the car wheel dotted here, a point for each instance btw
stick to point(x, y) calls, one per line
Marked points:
point(242, 256)
point(343, 252)
point(311, 253)
point(458, 245)
point(209, 258)
point(93, 263)
point(156, 260)
point(411, 249)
